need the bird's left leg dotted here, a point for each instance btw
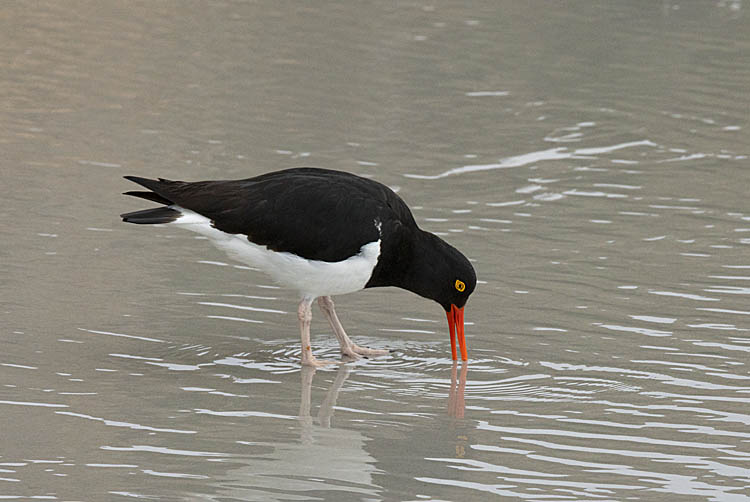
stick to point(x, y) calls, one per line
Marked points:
point(348, 348)
point(304, 314)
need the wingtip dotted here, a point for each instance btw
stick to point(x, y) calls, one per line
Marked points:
point(139, 179)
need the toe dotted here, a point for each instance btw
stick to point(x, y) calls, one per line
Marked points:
point(365, 351)
point(351, 353)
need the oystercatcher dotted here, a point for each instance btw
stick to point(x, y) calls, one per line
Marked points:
point(323, 233)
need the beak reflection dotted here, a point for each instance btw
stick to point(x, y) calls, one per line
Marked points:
point(456, 404)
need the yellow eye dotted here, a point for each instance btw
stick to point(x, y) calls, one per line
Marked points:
point(460, 286)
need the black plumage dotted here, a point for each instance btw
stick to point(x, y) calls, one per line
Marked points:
point(318, 214)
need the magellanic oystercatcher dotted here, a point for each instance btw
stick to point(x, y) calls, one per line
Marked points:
point(323, 233)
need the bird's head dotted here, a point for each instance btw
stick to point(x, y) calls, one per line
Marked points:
point(454, 295)
point(449, 279)
point(456, 291)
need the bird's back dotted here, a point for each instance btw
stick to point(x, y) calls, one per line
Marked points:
point(318, 214)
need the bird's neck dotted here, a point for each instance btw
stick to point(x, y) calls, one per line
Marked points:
point(424, 270)
point(407, 264)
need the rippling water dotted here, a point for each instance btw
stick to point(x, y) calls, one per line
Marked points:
point(591, 159)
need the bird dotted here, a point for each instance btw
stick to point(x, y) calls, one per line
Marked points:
point(323, 233)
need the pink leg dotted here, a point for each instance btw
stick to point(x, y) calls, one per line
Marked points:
point(304, 314)
point(348, 348)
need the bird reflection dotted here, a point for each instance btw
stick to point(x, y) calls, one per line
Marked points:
point(456, 402)
point(458, 387)
point(326, 461)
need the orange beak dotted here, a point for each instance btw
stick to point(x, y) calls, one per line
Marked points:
point(456, 326)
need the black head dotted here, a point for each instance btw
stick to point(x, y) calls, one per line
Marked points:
point(457, 280)
point(440, 272)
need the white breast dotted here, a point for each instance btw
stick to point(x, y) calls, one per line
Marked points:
point(311, 278)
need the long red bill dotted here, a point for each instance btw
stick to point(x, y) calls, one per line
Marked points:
point(456, 327)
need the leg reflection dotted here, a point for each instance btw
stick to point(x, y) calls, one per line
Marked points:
point(305, 420)
point(326, 407)
point(458, 387)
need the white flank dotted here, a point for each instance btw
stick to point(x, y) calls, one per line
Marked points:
point(312, 278)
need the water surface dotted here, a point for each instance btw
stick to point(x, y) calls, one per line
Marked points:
point(591, 159)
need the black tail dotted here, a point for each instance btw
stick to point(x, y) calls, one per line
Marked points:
point(156, 186)
point(150, 216)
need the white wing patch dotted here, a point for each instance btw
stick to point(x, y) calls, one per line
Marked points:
point(379, 226)
point(310, 277)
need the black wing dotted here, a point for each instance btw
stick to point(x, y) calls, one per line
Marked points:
point(318, 214)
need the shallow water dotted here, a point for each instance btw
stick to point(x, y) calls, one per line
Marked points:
point(591, 159)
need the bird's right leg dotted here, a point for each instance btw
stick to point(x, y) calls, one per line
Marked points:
point(348, 348)
point(304, 314)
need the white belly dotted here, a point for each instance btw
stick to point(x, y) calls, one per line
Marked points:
point(312, 278)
